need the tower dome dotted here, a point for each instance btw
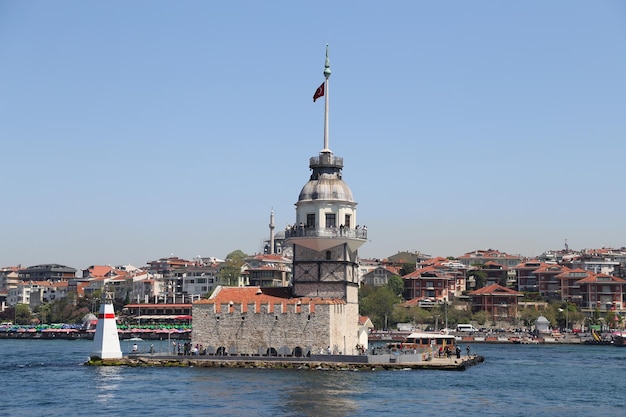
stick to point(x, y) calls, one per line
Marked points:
point(325, 182)
point(326, 188)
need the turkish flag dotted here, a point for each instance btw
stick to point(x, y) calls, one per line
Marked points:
point(318, 93)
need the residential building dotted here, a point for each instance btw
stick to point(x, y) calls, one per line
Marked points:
point(548, 283)
point(379, 276)
point(267, 270)
point(500, 303)
point(495, 273)
point(200, 279)
point(47, 272)
point(454, 268)
point(367, 265)
point(178, 280)
point(431, 284)
point(406, 258)
point(9, 277)
point(171, 272)
point(570, 286)
point(481, 257)
point(603, 292)
point(526, 278)
point(34, 293)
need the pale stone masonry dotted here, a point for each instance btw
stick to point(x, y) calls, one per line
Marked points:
point(258, 321)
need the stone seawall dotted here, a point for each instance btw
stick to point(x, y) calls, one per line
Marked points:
point(452, 364)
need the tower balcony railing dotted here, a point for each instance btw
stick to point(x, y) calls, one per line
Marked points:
point(328, 232)
point(326, 160)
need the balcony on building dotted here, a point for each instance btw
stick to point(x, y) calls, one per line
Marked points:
point(329, 232)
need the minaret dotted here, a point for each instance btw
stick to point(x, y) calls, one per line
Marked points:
point(272, 226)
point(326, 236)
point(106, 341)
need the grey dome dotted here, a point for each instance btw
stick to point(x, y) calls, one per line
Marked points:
point(326, 187)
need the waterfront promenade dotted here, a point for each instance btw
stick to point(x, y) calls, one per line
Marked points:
point(75, 332)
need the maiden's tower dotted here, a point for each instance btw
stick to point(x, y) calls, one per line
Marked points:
point(320, 311)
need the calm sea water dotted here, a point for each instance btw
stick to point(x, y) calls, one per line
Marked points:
point(47, 378)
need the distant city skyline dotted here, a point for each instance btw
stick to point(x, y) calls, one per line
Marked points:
point(380, 257)
point(176, 128)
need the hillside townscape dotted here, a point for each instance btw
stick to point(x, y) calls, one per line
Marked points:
point(573, 289)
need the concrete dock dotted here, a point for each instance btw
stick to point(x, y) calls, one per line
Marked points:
point(314, 362)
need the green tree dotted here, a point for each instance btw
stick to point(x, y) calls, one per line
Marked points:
point(406, 269)
point(231, 269)
point(551, 313)
point(43, 312)
point(8, 314)
point(457, 315)
point(64, 310)
point(612, 319)
point(379, 305)
point(595, 316)
point(480, 277)
point(22, 314)
point(420, 316)
point(566, 314)
point(396, 285)
point(528, 316)
point(480, 317)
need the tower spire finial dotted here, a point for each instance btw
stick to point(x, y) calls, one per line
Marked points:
point(326, 75)
point(327, 64)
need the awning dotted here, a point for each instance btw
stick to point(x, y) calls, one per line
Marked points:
point(159, 317)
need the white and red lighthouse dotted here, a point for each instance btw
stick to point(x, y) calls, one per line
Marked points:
point(106, 341)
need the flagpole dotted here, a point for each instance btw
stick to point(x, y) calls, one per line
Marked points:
point(326, 75)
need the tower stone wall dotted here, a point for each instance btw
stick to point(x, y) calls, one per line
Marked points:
point(293, 326)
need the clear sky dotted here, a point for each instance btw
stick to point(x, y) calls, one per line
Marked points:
point(133, 130)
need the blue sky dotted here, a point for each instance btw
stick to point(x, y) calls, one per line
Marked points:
point(133, 130)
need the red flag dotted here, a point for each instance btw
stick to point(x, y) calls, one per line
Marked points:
point(318, 93)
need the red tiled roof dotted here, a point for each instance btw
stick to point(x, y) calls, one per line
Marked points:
point(526, 264)
point(495, 289)
point(418, 272)
point(257, 295)
point(594, 279)
point(158, 305)
point(550, 269)
point(267, 257)
point(566, 273)
point(492, 263)
point(99, 270)
point(412, 302)
point(10, 268)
